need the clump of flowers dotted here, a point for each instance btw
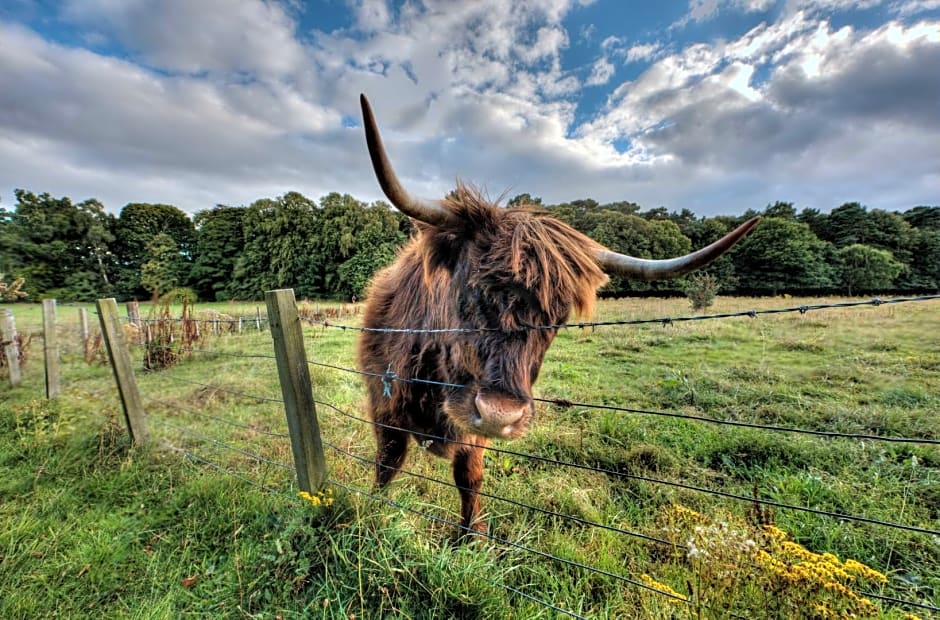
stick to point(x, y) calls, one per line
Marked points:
point(322, 498)
point(728, 563)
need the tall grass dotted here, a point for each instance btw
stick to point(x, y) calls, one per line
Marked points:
point(90, 526)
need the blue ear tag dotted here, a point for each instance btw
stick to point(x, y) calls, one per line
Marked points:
point(387, 379)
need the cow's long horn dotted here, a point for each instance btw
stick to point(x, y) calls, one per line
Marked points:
point(430, 211)
point(648, 270)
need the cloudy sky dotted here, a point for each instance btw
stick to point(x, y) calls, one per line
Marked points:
point(712, 105)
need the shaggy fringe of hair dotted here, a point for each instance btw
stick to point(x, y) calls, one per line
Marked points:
point(545, 255)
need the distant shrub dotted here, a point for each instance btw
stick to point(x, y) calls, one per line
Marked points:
point(701, 289)
point(178, 296)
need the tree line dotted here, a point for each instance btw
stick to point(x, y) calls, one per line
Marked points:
point(330, 248)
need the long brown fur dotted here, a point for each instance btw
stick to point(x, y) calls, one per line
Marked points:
point(501, 270)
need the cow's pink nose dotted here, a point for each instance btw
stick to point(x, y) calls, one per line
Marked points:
point(501, 415)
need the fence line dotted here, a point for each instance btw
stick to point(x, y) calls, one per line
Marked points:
point(680, 485)
point(782, 429)
point(803, 309)
point(205, 438)
point(514, 545)
point(389, 377)
point(219, 419)
point(220, 468)
point(544, 511)
point(163, 375)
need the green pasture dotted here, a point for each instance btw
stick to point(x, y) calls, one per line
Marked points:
point(188, 527)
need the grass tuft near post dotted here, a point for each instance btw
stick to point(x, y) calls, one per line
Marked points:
point(294, 377)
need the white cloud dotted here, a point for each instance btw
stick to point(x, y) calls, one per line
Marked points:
point(642, 52)
point(907, 8)
point(371, 15)
point(601, 72)
point(242, 108)
point(192, 37)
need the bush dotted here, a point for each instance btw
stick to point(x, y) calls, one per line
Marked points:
point(701, 290)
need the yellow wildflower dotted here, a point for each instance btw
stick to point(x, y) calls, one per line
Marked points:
point(863, 571)
point(656, 585)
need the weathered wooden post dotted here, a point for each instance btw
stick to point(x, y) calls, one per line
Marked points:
point(133, 312)
point(50, 348)
point(294, 377)
point(258, 318)
point(11, 349)
point(83, 325)
point(113, 336)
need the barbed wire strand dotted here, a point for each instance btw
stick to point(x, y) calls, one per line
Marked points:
point(272, 490)
point(264, 399)
point(218, 467)
point(255, 457)
point(802, 309)
point(184, 349)
point(560, 402)
point(681, 485)
point(219, 419)
point(512, 544)
point(268, 489)
point(512, 502)
point(898, 601)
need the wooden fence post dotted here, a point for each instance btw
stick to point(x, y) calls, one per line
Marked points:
point(294, 377)
point(10, 349)
point(133, 312)
point(83, 325)
point(113, 336)
point(50, 348)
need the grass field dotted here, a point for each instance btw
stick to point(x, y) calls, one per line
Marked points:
point(92, 527)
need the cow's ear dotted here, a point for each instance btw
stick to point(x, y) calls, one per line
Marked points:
point(444, 251)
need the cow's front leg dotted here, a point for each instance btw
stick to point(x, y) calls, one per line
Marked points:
point(392, 446)
point(468, 476)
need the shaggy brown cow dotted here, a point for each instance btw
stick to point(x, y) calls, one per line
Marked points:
point(493, 273)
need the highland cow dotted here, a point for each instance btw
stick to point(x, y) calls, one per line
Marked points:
point(464, 296)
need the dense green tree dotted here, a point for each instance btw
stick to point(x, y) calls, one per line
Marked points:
point(847, 224)
point(636, 236)
point(575, 213)
point(279, 248)
point(783, 210)
point(923, 271)
point(864, 268)
point(60, 248)
point(656, 213)
point(781, 255)
point(814, 218)
point(135, 227)
point(220, 237)
point(355, 241)
point(702, 232)
point(623, 206)
point(164, 266)
point(524, 199)
point(923, 217)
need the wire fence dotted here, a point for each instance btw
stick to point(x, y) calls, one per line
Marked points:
point(161, 409)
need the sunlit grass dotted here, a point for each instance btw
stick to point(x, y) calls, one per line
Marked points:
point(89, 526)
